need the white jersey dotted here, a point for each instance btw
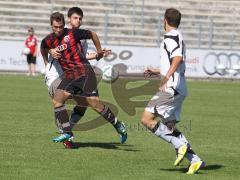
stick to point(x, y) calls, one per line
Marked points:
point(173, 46)
point(84, 46)
point(53, 68)
point(53, 71)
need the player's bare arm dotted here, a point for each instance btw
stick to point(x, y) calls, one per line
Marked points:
point(44, 53)
point(97, 44)
point(94, 55)
point(176, 61)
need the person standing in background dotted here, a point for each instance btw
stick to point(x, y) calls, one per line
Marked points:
point(31, 43)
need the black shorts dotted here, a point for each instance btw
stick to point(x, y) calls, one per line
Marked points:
point(83, 86)
point(31, 59)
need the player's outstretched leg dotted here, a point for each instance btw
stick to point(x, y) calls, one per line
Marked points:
point(107, 114)
point(118, 125)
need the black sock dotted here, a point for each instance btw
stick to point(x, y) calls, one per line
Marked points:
point(108, 115)
point(62, 118)
point(80, 110)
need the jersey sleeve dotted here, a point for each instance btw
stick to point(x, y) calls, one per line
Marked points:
point(174, 46)
point(44, 44)
point(80, 34)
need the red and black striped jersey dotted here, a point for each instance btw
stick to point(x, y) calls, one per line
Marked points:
point(31, 43)
point(72, 56)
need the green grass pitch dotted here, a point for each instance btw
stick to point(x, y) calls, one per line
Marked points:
point(210, 120)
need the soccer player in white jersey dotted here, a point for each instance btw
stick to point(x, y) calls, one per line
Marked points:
point(54, 70)
point(166, 104)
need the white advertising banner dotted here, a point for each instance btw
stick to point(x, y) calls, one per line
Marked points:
point(128, 59)
point(214, 64)
point(199, 63)
point(11, 58)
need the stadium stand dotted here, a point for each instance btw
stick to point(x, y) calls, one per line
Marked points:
point(208, 24)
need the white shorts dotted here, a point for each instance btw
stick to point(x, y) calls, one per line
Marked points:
point(166, 106)
point(53, 72)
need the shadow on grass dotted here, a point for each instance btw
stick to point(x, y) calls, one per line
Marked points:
point(213, 167)
point(184, 170)
point(104, 145)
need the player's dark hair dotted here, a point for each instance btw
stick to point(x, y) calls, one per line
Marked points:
point(76, 10)
point(57, 16)
point(30, 29)
point(173, 17)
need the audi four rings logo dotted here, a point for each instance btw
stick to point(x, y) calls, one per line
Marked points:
point(221, 64)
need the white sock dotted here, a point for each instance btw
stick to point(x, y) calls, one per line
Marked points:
point(192, 158)
point(164, 133)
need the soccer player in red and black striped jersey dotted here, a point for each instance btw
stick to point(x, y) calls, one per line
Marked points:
point(78, 78)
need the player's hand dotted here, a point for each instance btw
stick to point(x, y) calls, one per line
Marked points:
point(148, 72)
point(106, 52)
point(99, 55)
point(163, 87)
point(55, 53)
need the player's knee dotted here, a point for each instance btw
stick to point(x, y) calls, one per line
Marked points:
point(93, 99)
point(148, 119)
point(56, 103)
point(145, 120)
point(95, 103)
